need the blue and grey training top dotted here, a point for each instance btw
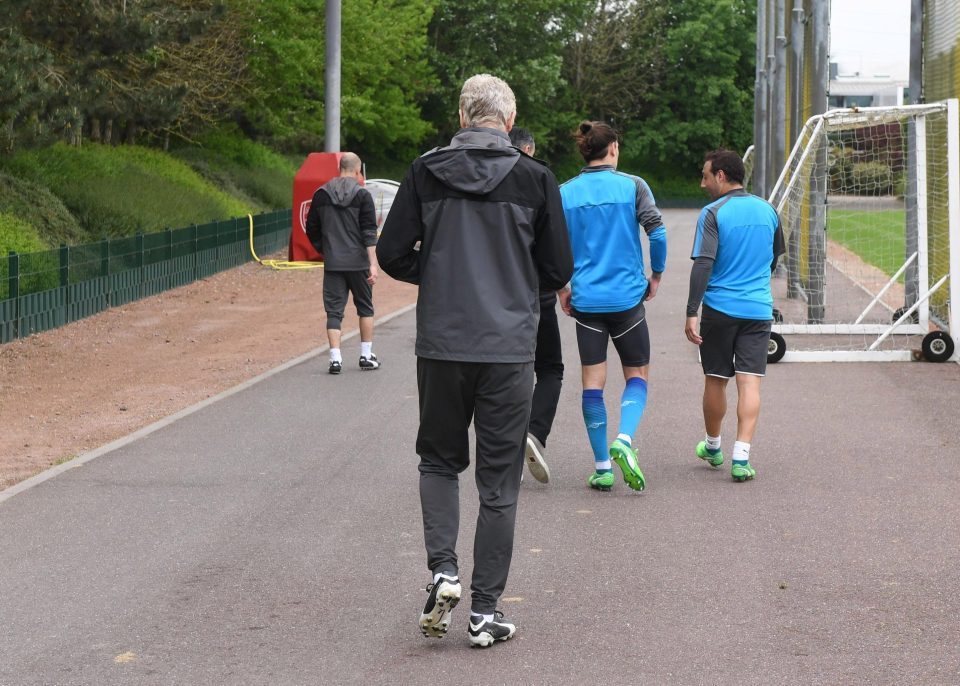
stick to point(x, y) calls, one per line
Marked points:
point(741, 234)
point(604, 210)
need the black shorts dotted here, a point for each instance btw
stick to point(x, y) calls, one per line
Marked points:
point(336, 286)
point(732, 345)
point(629, 332)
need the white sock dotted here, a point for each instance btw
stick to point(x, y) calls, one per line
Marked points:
point(335, 355)
point(436, 577)
point(366, 349)
point(713, 442)
point(741, 452)
point(626, 439)
point(486, 618)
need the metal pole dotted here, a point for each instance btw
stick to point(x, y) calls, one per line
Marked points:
point(331, 74)
point(816, 250)
point(771, 49)
point(759, 107)
point(780, 93)
point(798, 42)
point(911, 278)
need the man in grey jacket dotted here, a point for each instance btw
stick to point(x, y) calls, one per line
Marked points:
point(479, 227)
point(342, 226)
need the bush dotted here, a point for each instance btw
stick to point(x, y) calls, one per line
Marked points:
point(18, 235)
point(247, 170)
point(38, 213)
point(119, 191)
point(872, 178)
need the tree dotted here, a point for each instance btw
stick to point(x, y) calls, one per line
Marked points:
point(522, 44)
point(705, 96)
point(384, 72)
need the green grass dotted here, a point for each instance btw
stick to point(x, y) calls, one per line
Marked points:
point(876, 237)
point(119, 191)
point(249, 171)
point(33, 218)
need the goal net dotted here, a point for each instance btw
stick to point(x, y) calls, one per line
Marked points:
point(869, 204)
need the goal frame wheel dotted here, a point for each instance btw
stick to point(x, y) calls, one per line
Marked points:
point(937, 346)
point(776, 348)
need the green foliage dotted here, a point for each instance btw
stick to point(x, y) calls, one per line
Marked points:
point(249, 171)
point(17, 235)
point(705, 97)
point(872, 178)
point(117, 191)
point(522, 45)
point(34, 206)
point(383, 72)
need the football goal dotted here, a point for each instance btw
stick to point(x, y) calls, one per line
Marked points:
point(869, 200)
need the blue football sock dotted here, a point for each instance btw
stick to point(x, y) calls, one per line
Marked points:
point(632, 405)
point(595, 418)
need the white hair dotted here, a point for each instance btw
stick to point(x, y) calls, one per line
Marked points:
point(485, 99)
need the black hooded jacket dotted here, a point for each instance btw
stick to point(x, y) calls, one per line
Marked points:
point(479, 227)
point(342, 224)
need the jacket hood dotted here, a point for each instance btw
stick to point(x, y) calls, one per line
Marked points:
point(476, 161)
point(342, 190)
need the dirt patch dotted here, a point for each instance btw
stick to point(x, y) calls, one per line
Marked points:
point(70, 390)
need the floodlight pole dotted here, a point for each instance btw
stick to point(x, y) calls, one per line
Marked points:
point(911, 281)
point(331, 74)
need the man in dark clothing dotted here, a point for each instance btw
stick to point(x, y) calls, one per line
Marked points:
point(342, 226)
point(548, 366)
point(478, 226)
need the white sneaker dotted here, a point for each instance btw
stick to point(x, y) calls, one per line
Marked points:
point(533, 455)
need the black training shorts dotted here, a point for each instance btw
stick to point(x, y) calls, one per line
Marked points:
point(627, 329)
point(732, 345)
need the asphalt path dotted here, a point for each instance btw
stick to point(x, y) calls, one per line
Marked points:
point(274, 537)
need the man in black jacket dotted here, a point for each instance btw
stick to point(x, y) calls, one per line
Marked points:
point(479, 227)
point(342, 226)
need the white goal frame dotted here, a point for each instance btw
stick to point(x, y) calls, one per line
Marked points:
point(916, 319)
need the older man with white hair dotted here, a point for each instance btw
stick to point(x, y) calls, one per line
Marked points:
point(479, 227)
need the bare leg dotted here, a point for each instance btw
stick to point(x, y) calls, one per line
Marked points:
point(366, 329)
point(748, 406)
point(636, 372)
point(333, 335)
point(714, 403)
point(594, 376)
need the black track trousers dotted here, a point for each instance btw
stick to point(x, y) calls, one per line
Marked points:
point(496, 397)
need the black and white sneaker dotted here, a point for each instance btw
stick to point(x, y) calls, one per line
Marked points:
point(369, 363)
point(485, 634)
point(444, 596)
point(335, 367)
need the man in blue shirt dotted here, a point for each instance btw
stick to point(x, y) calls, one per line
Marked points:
point(605, 211)
point(735, 249)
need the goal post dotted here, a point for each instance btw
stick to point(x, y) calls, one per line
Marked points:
point(869, 201)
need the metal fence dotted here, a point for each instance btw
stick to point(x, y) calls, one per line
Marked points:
point(44, 290)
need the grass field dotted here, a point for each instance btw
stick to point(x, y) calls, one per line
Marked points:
point(876, 236)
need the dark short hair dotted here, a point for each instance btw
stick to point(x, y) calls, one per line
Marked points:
point(728, 162)
point(594, 139)
point(520, 137)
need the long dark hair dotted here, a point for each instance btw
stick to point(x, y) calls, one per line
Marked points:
point(594, 139)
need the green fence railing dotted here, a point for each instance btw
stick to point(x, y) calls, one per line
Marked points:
point(44, 290)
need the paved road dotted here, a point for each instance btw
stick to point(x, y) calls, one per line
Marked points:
point(274, 537)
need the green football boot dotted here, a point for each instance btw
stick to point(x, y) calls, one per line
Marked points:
point(714, 459)
point(742, 472)
point(626, 459)
point(601, 482)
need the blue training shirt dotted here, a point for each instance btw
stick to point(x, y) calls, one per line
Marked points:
point(604, 210)
point(742, 234)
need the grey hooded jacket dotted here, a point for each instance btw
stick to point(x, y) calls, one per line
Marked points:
point(479, 227)
point(342, 224)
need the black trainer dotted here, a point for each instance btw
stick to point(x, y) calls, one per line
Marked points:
point(335, 366)
point(444, 596)
point(369, 363)
point(485, 634)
